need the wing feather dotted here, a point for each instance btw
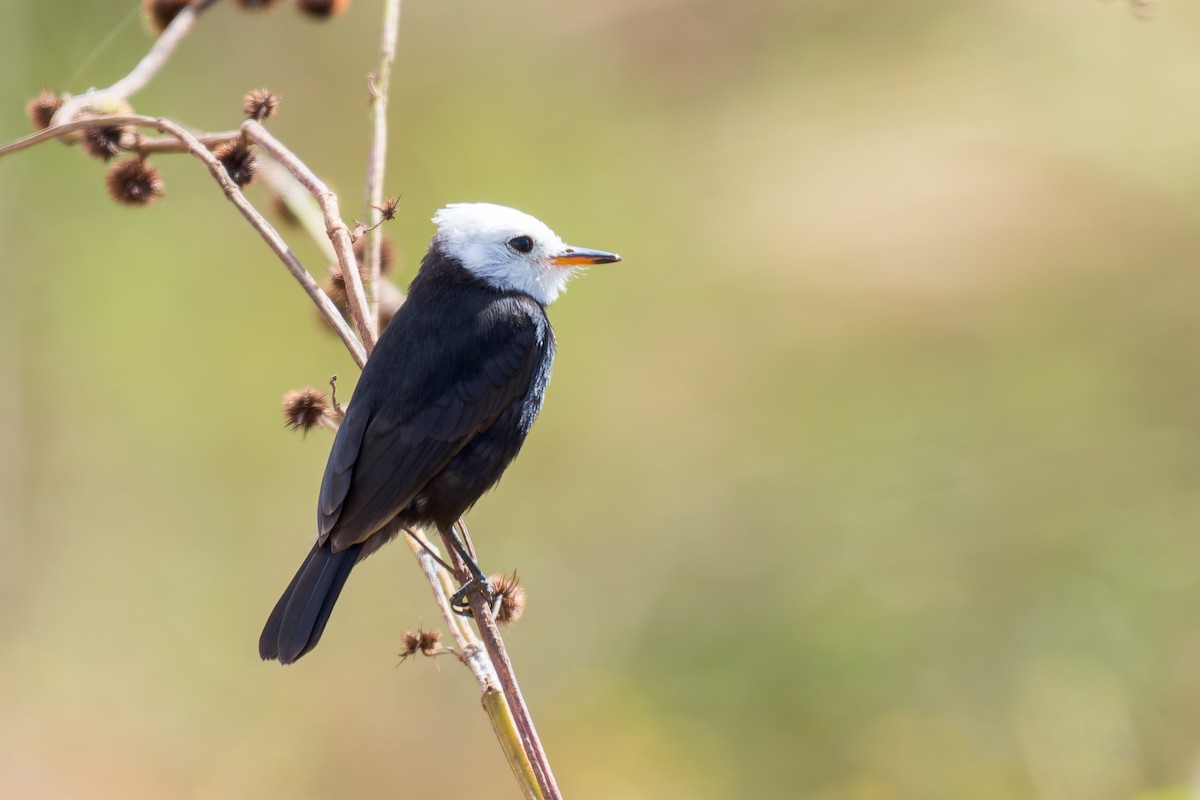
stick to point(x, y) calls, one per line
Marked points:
point(407, 426)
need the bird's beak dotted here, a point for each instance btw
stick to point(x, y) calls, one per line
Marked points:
point(582, 257)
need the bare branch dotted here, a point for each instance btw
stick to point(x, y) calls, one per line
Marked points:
point(169, 144)
point(492, 641)
point(377, 153)
point(505, 727)
point(474, 655)
point(439, 581)
point(50, 134)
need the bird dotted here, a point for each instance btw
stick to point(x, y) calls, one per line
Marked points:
point(443, 406)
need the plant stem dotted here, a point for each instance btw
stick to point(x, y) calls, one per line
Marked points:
point(169, 144)
point(492, 641)
point(473, 654)
point(379, 85)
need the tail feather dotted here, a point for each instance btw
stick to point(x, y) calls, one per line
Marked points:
point(298, 619)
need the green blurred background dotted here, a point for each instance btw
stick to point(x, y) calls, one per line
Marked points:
point(873, 472)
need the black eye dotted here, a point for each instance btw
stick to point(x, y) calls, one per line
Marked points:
point(522, 244)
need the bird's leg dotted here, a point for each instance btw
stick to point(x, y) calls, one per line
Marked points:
point(466, 536)
point(478, 581)
point(428, 550)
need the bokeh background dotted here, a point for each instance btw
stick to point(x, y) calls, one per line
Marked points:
point(872, 473)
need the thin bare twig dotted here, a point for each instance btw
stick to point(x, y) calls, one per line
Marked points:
point(49, 135)
point(468, 643)
point(474, 655)
point(169, 144)
point(512, 694)
point(335, 227)
point(492, 641)
point(505, 727)
point(333, 401)
point(377, 153)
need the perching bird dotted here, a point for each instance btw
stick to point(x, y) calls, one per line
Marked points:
point(443, 405)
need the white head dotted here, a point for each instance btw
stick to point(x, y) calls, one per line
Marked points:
point(511, 250)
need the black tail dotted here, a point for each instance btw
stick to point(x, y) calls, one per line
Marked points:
point(298, 620)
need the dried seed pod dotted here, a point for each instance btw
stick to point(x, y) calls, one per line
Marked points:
point(134, 182)
point(427, 643)
point(303, 408)
point(158, 14)
point(106, 141)
point(335, 287)
point(41, 109)
point(256, 5)
point(388, 209)
point(260, 104)
point(322, 9)
point(238, 160)
point(510, 597)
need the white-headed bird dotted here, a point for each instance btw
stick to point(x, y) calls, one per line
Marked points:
point(443, 405)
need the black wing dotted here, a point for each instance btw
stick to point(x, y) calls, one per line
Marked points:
point(427, 390)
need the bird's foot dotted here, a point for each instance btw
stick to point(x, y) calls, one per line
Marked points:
point(458, 601)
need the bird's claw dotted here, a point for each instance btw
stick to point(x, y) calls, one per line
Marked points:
point(458, 601)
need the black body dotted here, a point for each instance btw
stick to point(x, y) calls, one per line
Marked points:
point(443, 406)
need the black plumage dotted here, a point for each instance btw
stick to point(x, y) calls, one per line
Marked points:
point(443, 406)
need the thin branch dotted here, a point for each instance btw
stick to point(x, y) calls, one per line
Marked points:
point(146, 146)
point(333, 401)
point(377, 153)
point(473, 654)
point(492, 641)
point(512, 694)
point(468, 643)
point(50, 134)
point(335, 228)
point(169, 144)
point(505, 728)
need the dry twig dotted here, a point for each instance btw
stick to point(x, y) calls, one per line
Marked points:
point(380, 83)
point(490, 634)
